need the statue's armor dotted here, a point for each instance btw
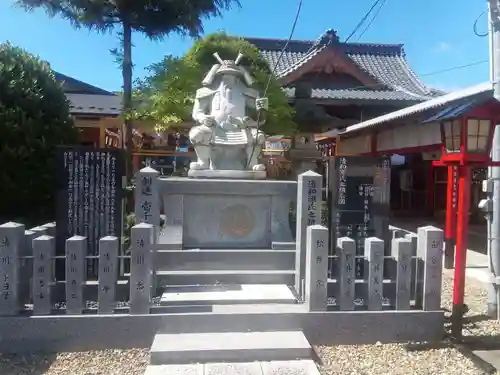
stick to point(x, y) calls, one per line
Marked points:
point(225, 102)
point(226, 137)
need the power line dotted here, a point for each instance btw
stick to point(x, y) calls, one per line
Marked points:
point(271, 75)
point(474, 28)
point(362, 21)
point(453, 68)
point(371, 21)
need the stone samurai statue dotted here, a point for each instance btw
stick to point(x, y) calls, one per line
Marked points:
point(225, 111)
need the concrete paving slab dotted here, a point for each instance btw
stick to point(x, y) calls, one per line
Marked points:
point(248, 368)
point(304, 367)
point(195, 369)
point(246, 293)
point(491, 357)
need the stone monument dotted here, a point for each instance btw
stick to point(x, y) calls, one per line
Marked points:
point(226, 202)
point(228, 113)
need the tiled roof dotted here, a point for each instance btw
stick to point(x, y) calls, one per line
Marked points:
point(94, 104)
point(430, 110)
point(385, 63)
point(74, 86)
point(359, 94)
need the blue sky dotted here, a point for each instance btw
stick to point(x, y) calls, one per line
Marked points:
point(437, 35)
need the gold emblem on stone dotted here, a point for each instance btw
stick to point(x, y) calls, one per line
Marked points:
point(236, 221)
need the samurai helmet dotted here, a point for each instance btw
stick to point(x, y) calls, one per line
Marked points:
point(228, 67)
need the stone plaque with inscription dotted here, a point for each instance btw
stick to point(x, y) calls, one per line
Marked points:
point(89, 197)
point(360, 198)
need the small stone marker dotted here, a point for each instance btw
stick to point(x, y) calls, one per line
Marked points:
point(403, 251)
point(43, 252)
point(140, 268)
point(108, 273)
point(419, 267)
point(26, 267)
point(374, 254)
point(51, 228)
point(76, 247)
point(316, 268)
point(11, 240)
point(41, 230)
point(309, 198)
point(433, 268)
point(147, 203)
point(413, 238)
point(346, 250)
point(147, 197)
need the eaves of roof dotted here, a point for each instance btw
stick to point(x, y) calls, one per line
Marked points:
point(467, 94)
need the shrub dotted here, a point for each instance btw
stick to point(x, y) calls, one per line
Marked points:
point(34, 119)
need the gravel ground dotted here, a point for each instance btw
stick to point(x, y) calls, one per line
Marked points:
point(416, 359)
point(345, 360)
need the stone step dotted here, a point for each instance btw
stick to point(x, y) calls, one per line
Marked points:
point(297, 367)
point(189, 348)
point(228, 294)
point(229, 277)
point(261, 317)
point(225, 259)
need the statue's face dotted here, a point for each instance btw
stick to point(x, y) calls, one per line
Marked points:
point(229, 80)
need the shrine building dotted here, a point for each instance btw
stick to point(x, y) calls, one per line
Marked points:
point(332, 84)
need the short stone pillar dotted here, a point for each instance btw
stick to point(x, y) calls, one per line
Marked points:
point(346, 250)
point(51, 228)
point(11, 240)
point(402, 250)
point(140, 268)
point(147, 205)
point(147, 197)
point(108, 273)
point(44, 248)
point(316, 296)
point(374, 255)
point(76, 248)
point(309, 199)
point(431, 244)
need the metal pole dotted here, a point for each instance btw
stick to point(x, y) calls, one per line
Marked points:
point(461, 250)
point(493, 243)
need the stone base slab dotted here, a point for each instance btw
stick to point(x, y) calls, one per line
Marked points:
point(228, 174)
point(97, 332)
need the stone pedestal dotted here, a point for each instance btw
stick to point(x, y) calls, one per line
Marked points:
point(227, 174)
point(226, 213)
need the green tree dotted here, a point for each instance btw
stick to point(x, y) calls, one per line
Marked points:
point(34, 119)
point(168, 92)
point(153, 18)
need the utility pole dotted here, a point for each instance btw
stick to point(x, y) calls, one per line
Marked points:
point(492, 186)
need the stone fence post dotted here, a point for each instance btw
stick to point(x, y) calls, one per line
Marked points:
point(309, 198)
point(76, 248)
point(147, 205)
point(431, 249)
point(44, 249)
point(346, 250)
point(11, 241)
point(147, 198)
point(140, 268)
point(108, 273)
point(374, 256)
point(316, 271)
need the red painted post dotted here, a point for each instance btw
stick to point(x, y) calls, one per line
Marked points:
point(451, 217)
point(461, 249)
